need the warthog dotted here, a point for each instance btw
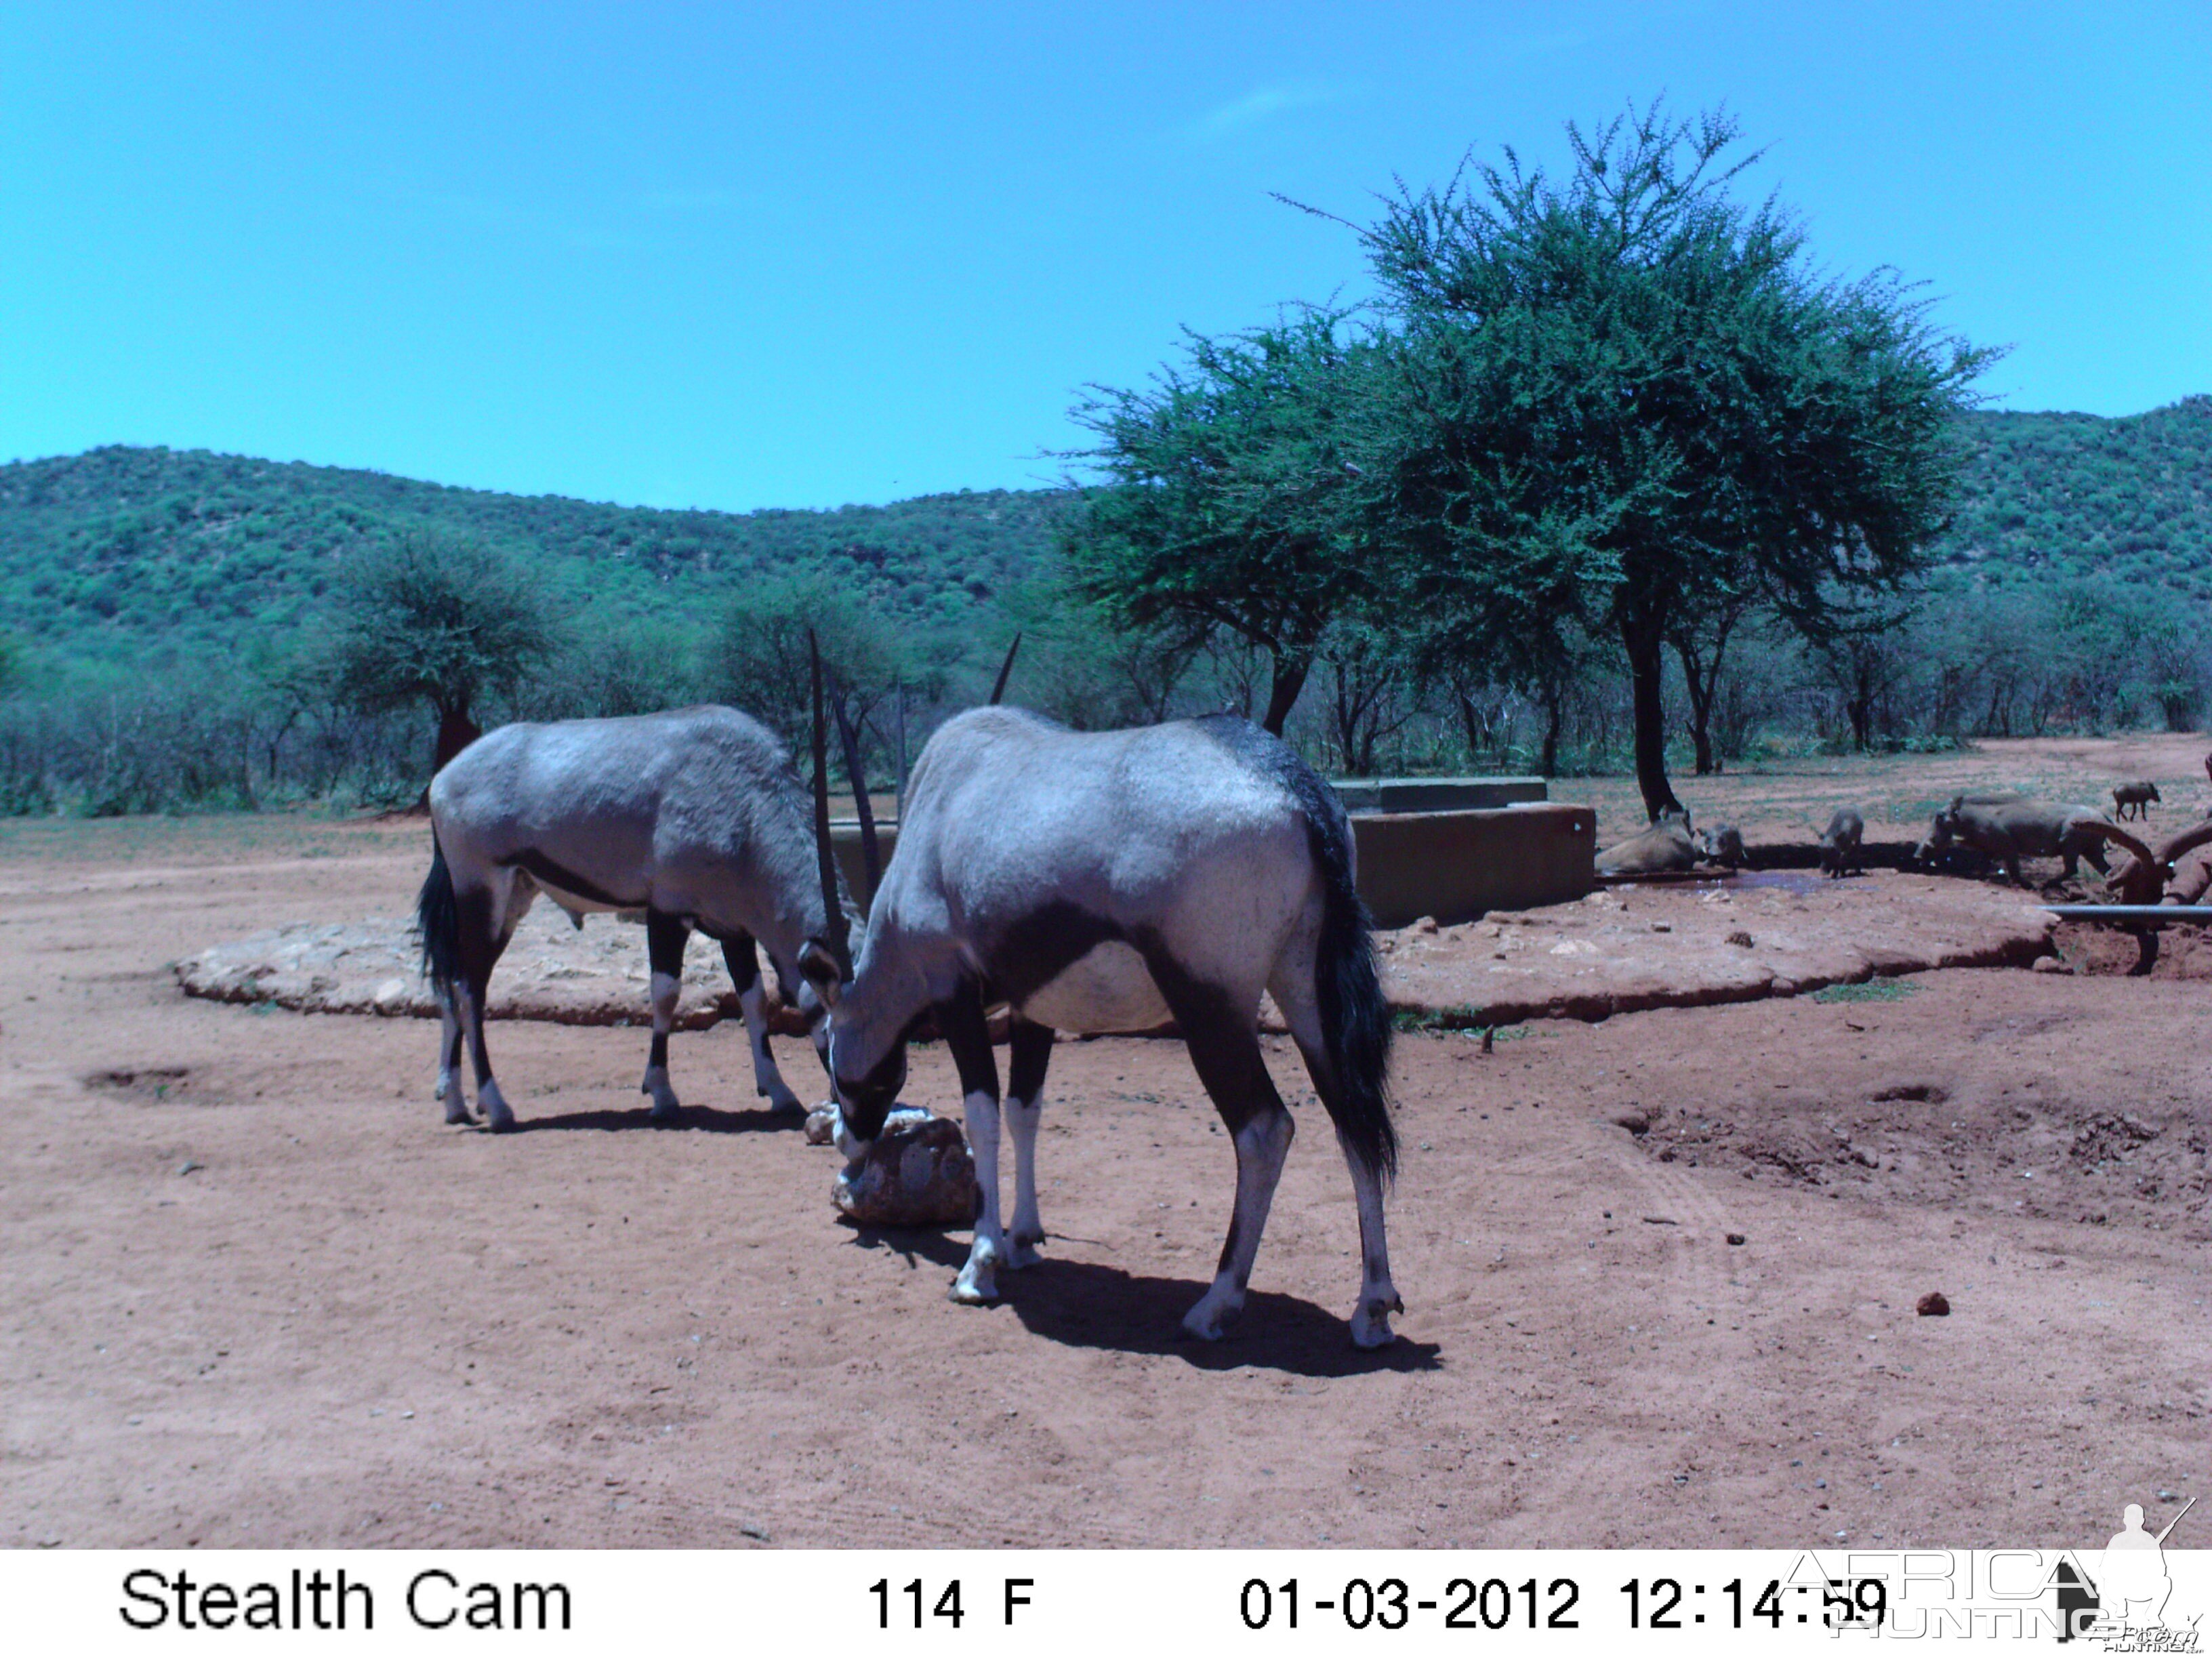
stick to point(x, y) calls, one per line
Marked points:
point(1665, 846)
point(2137, 795)
point(1724, 845)
point(2009, 832)
point(1839, 842)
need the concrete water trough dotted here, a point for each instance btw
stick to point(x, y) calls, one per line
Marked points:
point(1448, 848)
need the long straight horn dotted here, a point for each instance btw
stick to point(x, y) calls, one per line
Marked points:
point(838, 938)
point(1007, 667)
point(871, 854)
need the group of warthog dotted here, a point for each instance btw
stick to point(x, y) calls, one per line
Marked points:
point(1670, 847)
point(2004, 829)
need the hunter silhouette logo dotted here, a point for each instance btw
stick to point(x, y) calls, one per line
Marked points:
point(2121, 1607)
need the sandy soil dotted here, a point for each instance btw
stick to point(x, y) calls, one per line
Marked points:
point(252, 1292)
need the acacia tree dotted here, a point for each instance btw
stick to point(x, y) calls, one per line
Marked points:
point(1232, 501)
point(1863, 655)
point(757, 658)
point(429, 618)
point(1621, 394)
point(1699, 632)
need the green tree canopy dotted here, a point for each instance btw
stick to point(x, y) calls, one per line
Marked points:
point(756, 657)
point(1232, 501)
point(1621, 393)
point(437, 619)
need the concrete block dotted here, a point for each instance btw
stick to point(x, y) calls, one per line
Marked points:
point(1453, 866)
point(1449, 865)
point(1436, 795)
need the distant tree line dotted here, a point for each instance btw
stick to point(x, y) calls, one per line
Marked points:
point(1608, 475)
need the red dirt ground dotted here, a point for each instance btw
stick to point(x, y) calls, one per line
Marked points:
point(253, 1293)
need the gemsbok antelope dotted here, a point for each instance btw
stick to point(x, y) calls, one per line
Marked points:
point(695, 816)
point(1108, 881)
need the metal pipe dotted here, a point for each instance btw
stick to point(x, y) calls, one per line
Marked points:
point(2131, 913)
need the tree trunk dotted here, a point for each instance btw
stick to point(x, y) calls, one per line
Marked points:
point(456, 732)
point(1477, 739)
point(1645, 644)
point(1701, 689)
point(1554, 698)
point(1289, 679)
point(1860, 708)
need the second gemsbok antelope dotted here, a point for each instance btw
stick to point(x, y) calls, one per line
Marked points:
point(695, 816)
point(1110, 882)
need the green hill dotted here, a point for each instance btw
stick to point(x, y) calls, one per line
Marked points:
point(2051, 497)
point(143, 556)
point(124, 556)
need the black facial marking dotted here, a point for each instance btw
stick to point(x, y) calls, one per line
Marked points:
point(567, 881)
point(867, 1101)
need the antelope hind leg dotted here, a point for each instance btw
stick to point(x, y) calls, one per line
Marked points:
point(449, 1062)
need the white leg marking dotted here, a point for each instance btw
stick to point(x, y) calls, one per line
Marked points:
point(979, 1280)
point(1261, 1147)
point(1027, 1233)
point(1378, 1296)
point(498, 1115)
point(767, 1080)
point(666, 988)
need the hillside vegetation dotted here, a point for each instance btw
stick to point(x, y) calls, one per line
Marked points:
point(2064, 496)
point(128, 557)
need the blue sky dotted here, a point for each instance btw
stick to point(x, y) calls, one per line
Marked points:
point(737, 257)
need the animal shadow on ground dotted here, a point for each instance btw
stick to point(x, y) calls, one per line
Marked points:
point(1089, 1304)
point(709, 1119)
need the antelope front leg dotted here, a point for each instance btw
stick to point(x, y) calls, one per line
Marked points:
point(960, 1017)
point(665, 939)
point(768, 1080)
point(979, 1280)
point(1032, 1050)
point(743, 963)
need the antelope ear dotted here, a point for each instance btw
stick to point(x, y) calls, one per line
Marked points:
point(816, 962)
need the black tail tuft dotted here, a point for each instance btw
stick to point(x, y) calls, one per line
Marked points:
point(1355, 1017)
point(438, 923)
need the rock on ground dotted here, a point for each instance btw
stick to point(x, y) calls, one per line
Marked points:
point(917, 1174)
point(1623, 948)
point(552, 970)
point(1685, 944)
